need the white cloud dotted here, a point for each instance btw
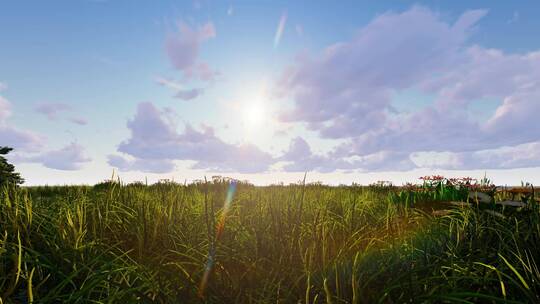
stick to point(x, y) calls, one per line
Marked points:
point(154, 137)
point(181, 91)
point(14, 137)
point(143, 165)
point(51, 110)
point(345, 92)
point(183, 48)
point(70, 157)
point(520, 156)
point(347, 88)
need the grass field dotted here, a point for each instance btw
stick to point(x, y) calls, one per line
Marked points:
point(174, 243)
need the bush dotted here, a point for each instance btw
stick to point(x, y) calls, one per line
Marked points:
point(8, 176)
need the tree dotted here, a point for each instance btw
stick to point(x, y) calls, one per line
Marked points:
point(8, 176)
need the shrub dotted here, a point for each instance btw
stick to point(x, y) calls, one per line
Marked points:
point(8, 176)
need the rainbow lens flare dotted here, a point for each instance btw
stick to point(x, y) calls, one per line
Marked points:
point(219, 231)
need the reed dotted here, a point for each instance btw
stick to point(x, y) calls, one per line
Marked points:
point(311, 243)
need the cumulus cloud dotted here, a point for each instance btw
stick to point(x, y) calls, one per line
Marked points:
point(70, 157)
point(28, 145)
point(181, 92)
point(143, 165)
point(14, 137)
point(154, 137)
point(79, 121)
point(347, 88)
point(169, 83)
point(425, 130)
point(20, 139)
point(51, 110)
point(508, 157)
point(188, 94)
point(5, 109)
point(183, 48)
point(346, 92)
point(447, 125)
point(300, 158)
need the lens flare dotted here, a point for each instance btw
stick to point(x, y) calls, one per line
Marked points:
point(280, 28)
point(219, 231)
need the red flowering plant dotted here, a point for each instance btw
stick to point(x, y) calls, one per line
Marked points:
point(484, 185)
point(381, 186)
point(410, 187)
point(433, 181)
point(436, 188)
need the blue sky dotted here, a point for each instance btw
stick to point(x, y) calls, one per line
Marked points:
point(267, 90)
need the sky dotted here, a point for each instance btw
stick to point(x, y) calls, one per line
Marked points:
point(347, 91)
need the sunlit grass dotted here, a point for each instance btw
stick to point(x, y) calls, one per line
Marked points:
point(280, 244)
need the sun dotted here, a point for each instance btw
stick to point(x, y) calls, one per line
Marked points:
point(254, 114)
point(254, 111)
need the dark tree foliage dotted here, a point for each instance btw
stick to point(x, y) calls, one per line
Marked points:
point(8, 176)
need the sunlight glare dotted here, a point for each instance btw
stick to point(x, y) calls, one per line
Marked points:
point(254, 114)
point(253, 106)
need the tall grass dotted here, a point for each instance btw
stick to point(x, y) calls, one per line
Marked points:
point(281, 244)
